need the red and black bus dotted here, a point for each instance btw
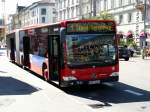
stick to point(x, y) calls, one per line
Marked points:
point(70, 52)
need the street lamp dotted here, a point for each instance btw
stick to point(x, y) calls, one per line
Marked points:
point(144, 15)
point(142, 7)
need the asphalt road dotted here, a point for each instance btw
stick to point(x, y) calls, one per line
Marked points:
point(130, 94)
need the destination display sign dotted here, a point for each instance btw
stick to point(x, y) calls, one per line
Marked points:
point(90, 27)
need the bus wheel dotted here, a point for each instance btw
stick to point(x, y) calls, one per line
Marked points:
point(45, 72)
point(22, 60)
point(45, 75)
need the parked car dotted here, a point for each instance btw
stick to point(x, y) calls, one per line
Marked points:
point(124, 53)
point(132, 51)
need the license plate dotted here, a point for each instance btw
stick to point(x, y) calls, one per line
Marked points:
point(94, 82)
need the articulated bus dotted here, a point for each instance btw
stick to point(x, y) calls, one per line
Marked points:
point(69, 53)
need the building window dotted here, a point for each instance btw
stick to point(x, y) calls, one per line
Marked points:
point(99, 6)
point(37, 20)
point(105, 4)
point(140, 1)
point(120, 3)
point(67, 13)
point(129, 17)
point(33, 13)
point(87, 10)
point(72, 2)
point(112, 4)
point(77, 10)
point(64, 14)
point(120, 18)
point(54, 19)
point(68, 3)
point(72, 12)
point(54, 11)
point(64, 3)
point(1, 22)
point(60, 4)
point(43, 11)
point(43, 19)
point(129, 2)
point(142, 16)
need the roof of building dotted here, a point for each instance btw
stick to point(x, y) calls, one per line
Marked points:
point(45, 2)
point(20, 8)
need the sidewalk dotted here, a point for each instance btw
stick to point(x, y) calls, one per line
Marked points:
point(140, 57)
point(21, 91)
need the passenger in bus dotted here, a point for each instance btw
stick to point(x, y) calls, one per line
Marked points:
point(35, 51)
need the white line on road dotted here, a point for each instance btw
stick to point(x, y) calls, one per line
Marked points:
point(109, 84)
point(133, 92)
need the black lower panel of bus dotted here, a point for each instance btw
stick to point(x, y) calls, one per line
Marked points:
point(12, 48)
point(26, 50)
point(54, 77)
point(89, 82)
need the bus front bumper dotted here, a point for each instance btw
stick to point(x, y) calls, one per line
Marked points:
point(89, 82)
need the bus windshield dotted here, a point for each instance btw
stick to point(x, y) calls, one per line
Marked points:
point(93, 49)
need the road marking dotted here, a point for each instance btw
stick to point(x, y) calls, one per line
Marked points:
point(133, 92)
point(109, 84)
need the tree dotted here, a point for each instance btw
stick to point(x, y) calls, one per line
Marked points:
point(103, 15)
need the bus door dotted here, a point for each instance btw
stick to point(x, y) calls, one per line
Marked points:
point(26, 51)
point(12, 49)
point(54, 57)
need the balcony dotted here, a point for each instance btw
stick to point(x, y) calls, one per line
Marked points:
point(141, 6)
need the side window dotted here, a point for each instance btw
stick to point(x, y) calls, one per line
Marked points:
point(34, 45)
point(42, 50)
point(43, 11)
point(43, 20)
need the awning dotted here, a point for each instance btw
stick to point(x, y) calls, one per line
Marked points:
point(120, 34)
point(143, 34)
point(129, 34)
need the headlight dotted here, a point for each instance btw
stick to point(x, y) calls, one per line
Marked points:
point(114, 74)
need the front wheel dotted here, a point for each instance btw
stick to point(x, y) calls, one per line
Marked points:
point(45, 75)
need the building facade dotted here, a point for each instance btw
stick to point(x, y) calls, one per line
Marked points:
point(68, 10)
point(2, 30)
point(126, 14)
point(41, 12)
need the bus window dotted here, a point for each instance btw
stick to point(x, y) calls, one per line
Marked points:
point(42, 50)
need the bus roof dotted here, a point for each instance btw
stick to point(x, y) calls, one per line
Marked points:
point(61, 23)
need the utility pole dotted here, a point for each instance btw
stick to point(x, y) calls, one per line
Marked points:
point(93, 7)
point(144, 41)
point(145, 15)
point(4, 20)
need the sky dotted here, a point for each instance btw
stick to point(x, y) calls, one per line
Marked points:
point(10, 5)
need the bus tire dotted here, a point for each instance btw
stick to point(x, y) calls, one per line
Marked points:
point(45, 72)
point(127, 59)
point(22, 60)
